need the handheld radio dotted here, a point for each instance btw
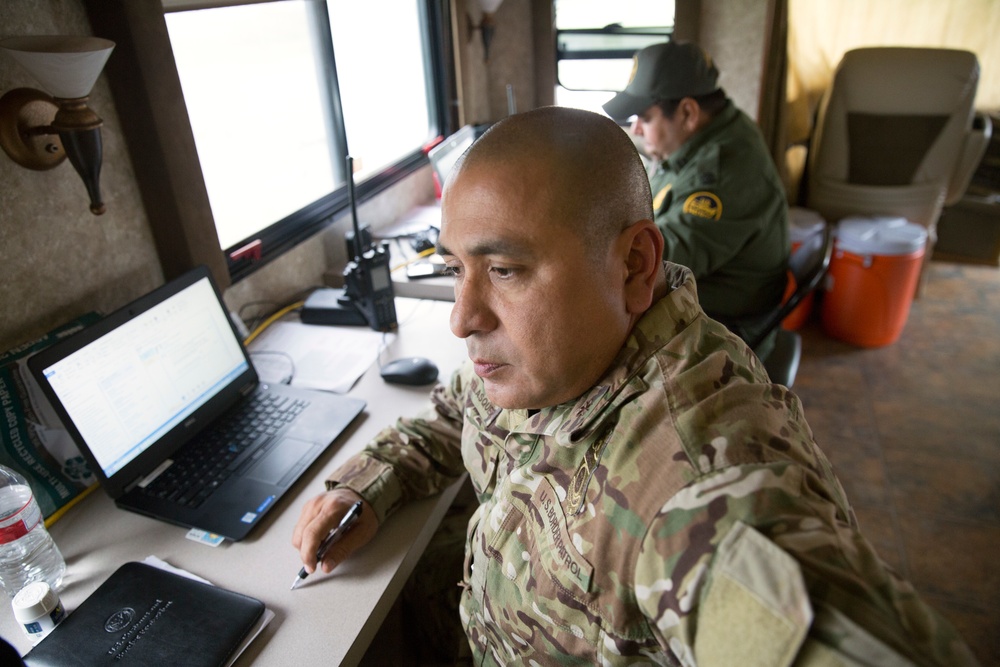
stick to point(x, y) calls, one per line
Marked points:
point(366, 278)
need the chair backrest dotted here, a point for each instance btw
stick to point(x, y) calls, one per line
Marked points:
point(809, 264)
point(893, 133)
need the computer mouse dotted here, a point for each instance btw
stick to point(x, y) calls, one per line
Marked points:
point(410, 370)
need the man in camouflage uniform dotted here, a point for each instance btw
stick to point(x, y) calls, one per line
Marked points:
point(645, 495)
point(717, 196)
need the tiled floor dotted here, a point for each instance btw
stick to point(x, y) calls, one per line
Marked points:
point(913, 431)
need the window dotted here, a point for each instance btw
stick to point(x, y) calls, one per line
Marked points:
point(279, 93)
point(383, 80)
point(596, 41)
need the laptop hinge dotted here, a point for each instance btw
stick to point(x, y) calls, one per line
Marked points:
point(134, 483)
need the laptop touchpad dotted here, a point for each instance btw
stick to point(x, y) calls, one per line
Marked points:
point(280, 460)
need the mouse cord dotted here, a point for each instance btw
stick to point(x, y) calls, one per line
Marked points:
point(382, 346)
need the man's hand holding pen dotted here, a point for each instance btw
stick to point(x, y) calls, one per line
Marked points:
point(320, 517)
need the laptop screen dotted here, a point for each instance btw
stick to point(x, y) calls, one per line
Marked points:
point(444, 156)
point(130, 386)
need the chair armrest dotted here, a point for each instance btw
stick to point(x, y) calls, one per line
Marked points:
point(972, 153)
point(782, 365)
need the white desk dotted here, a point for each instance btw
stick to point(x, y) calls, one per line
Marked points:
point(331, 618)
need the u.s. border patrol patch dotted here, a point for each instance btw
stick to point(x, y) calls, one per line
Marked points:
point(704, 205)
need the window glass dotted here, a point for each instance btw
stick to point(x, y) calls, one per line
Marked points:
point(251, 81)
point(596, 40)
point(383, 84)
point(585, 84)
point(275, 89)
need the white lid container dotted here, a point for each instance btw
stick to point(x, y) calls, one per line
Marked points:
point(803, 223)
point(880, 236)
point(37, 609)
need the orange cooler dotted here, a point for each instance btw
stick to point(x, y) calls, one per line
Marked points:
point(802, 224)
point(872, 279)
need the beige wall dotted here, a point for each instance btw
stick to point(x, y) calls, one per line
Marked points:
point(483, 94)
point(735, 33)
point(58, 260)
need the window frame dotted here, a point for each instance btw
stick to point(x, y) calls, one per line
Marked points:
point(154, 122)
point(255, 251)
point(655, 33)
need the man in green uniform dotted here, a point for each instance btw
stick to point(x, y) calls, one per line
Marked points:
point(717, 196)
point(645, 495)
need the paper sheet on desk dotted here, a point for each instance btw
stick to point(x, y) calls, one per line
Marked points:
point(322, 357)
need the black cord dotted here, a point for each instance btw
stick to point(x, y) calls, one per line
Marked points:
point(291, 362)
point(257, 319)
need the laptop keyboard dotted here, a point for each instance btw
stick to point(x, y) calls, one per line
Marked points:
point(235, 444)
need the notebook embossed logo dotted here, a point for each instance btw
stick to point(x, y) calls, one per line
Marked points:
point(119, 620)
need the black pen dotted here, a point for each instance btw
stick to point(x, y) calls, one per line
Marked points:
point(345, 524)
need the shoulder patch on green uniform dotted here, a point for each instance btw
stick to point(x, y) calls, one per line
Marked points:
point(660, 196)
point(704, 205)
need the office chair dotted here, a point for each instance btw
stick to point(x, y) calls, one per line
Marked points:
point(895, 135)
point(808, 264)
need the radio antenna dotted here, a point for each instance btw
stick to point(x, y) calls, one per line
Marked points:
point(358, 250)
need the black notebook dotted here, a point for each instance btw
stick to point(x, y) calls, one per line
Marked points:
point(143, 615)
point(162, 399)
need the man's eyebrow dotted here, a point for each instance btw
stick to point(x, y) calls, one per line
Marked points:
point(502, 247)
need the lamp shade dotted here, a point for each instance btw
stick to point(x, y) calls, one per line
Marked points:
point(65, 66)
point(490, 6)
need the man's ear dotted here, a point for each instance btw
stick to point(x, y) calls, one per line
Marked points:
point(691, 114)
point(644, 264)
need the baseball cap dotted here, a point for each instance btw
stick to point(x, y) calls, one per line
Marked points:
point(667, 71)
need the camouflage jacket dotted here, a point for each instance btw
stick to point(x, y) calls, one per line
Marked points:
point(678, 513)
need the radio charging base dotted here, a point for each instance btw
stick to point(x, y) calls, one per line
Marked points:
point(330, 306)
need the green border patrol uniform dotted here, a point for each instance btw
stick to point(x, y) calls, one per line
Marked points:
point(718, 199)
point(677, 513)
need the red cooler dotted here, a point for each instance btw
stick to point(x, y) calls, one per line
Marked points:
point(802, 224)
point(872, 280)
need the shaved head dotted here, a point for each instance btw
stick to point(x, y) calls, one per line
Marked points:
point(546, 226)
point(594, 180)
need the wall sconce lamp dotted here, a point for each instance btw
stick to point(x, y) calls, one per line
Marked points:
point(39, 130)
point(487, 24)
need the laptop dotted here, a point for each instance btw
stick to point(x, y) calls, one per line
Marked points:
point(147, 390)
point(444, 156)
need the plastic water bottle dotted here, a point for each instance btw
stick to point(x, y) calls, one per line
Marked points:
point(27, 552)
